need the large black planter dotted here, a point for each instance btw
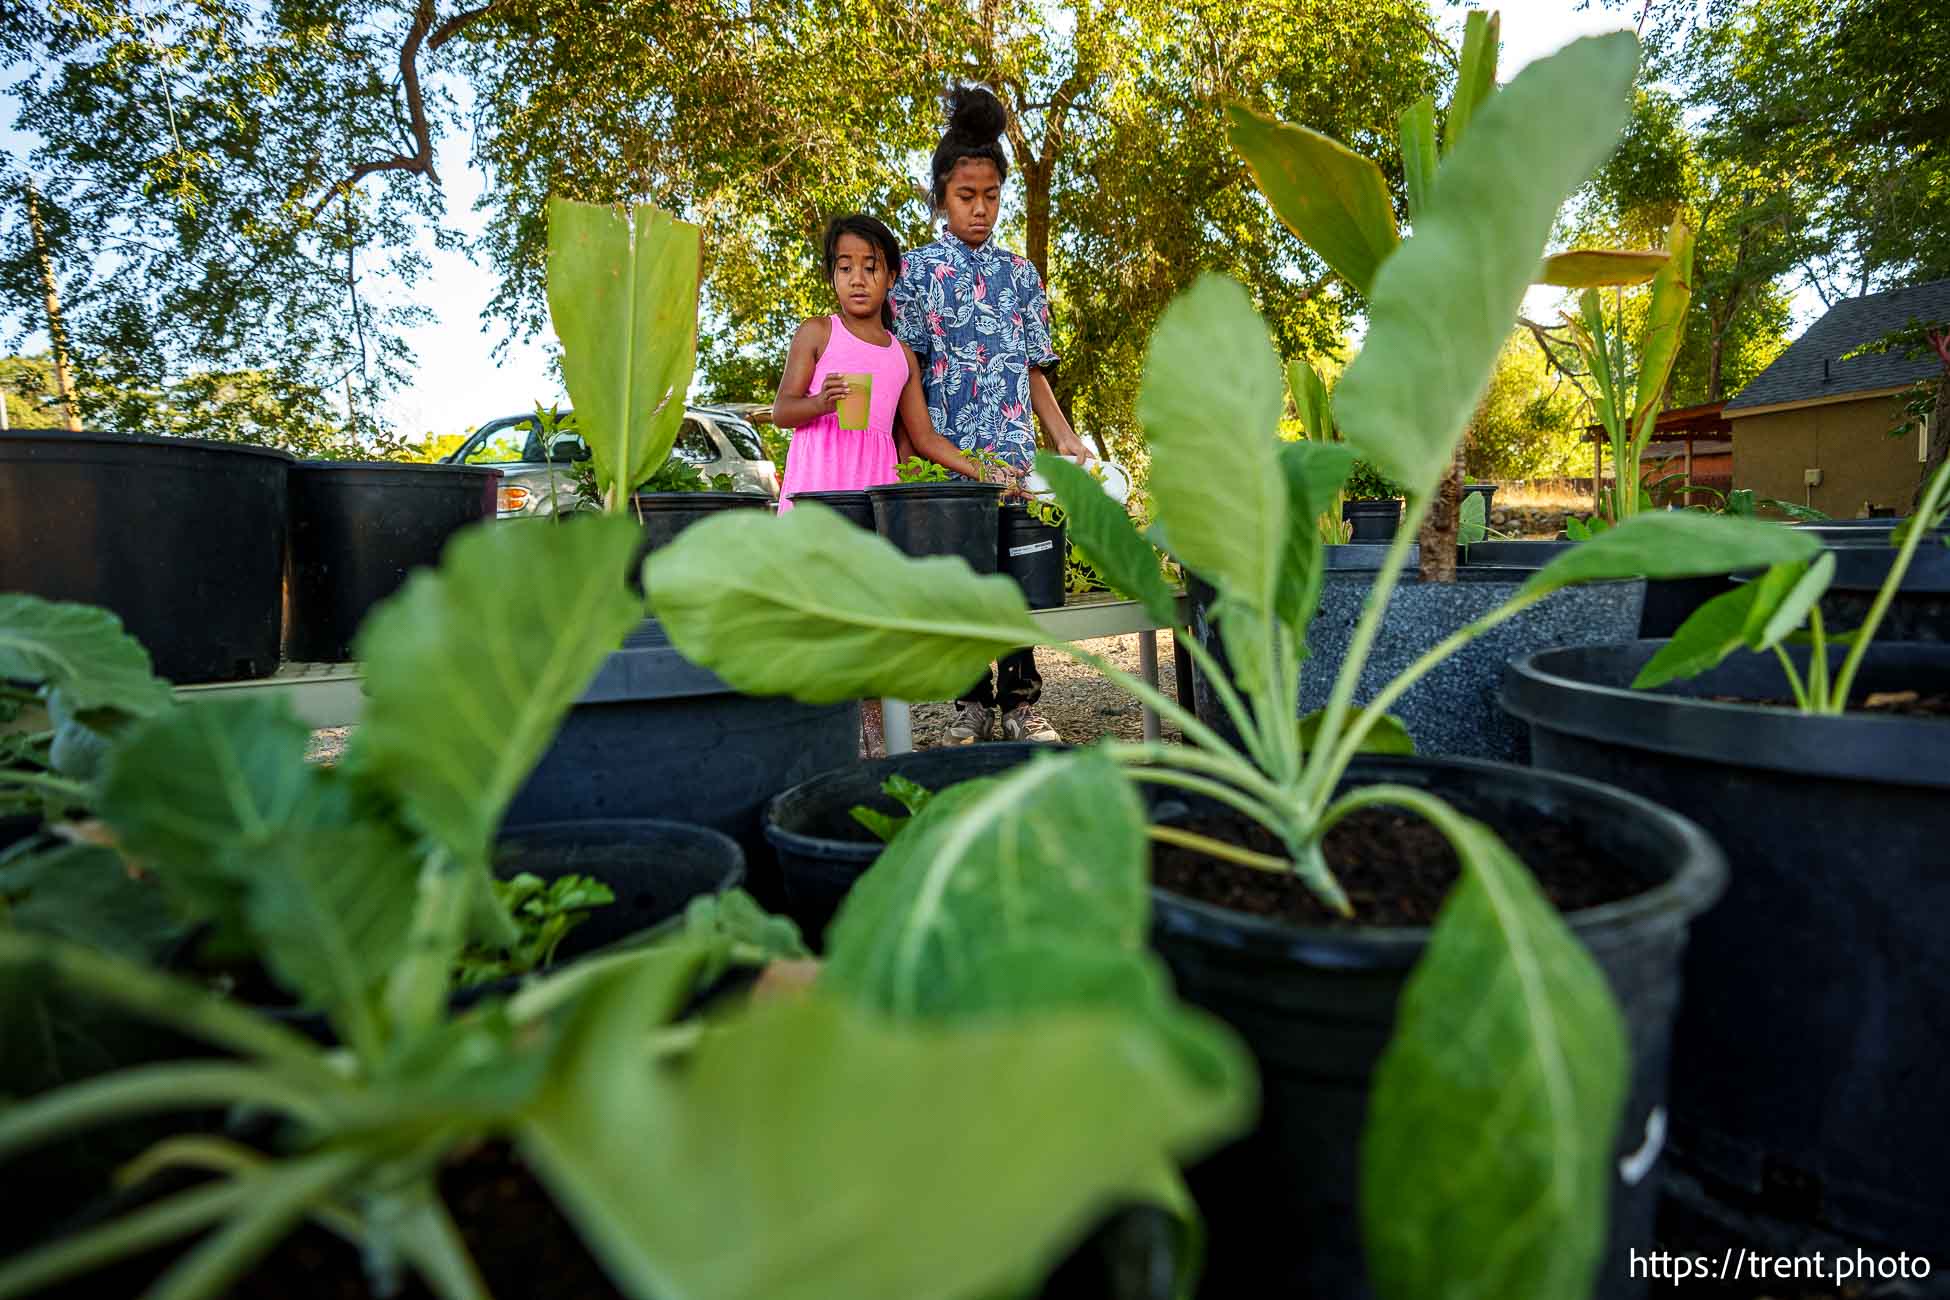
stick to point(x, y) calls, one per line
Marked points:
point(1033, 553)
point(666, 514)
point(822, 850)
point(653, 867)
point(1453, 712)
point(655, 736)
point(1815, 1040)
point(1668, 601)
point(1317, 1007)
point(959, 518)
point(854, 507)
point(181, 538)
point(1374, 521)
point(357, 529)
point(1920, 610)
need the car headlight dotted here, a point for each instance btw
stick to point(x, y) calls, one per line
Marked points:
point(507, 500)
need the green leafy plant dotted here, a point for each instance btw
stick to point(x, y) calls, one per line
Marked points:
point(1783, 607)
point(1236, 506)
point(544, 911)
point(1308, 393)
point(911, 795)
point(1366, 483)
point(676, 475)
point(916, 470)
point(1007, 1117)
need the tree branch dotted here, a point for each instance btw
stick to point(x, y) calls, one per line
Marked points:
point(452, 27)
point(421, 161)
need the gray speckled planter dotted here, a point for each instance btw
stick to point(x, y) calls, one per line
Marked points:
point(1453, 711)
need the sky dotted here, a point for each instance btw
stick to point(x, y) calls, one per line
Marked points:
point(461, 383)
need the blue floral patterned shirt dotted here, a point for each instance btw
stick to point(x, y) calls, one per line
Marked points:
point(977, 319)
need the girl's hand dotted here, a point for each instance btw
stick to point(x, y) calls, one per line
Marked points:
point(1009, 477)
point(833, 391)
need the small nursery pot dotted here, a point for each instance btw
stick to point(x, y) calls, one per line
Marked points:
point(357, 529)
point(181, 538)
point(1374, 521)
point(958, 518)
point(1813, 1042)
point(822, 850)
point(1317, 1007)
point(855, 507)
point(1034, 554)
point(654, 867)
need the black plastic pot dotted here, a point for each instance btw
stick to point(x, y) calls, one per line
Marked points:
point(666, 514)
point(654, 868)
point(822, 850)
point(1921, 608)
point(1854, 532)
point(1317, 1007)
point(181, 538)
point(1668, 601)
point(357, 529)
point(1374, 521)
point(857, 507)
point(1487, 491)
point(1815, 1038)
point(940, 519)
point(1032, 553)
point(655, 736)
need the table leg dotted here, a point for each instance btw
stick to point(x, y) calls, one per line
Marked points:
point(897, 725)
point(1148, 669)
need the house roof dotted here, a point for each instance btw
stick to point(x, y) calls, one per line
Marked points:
point(1812, 369)
point(1677, 424)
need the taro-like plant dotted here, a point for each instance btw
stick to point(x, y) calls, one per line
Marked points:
point(1236, 506)
point(1782, 607)
point(917, 469)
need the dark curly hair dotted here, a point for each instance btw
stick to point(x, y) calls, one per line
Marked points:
point(862, 226)
point(975, 124)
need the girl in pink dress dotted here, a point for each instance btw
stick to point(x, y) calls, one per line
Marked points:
point(862, 259)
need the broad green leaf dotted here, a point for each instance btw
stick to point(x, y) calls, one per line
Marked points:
point(1054, 848)
point(1444, 304)
point(1710, 633)
point(1210, 404)
point(1583, 268)
point(1475, 74)
point(198, 791)
point(1673, 544)
point(1475, 525)
point(1310, 400)
point(472, 666)
point(822, 1152)
point(328, 912)
point(1314, 471)
point(1416, 126)
point(1335, 200)
point(1784, 595)
point(81, 651)
point(1389, 735)
point(1665, 322)
point(1487, 1155)
point(1100, 528)
point(811, 606)
point(622, 295)
point(734, 918)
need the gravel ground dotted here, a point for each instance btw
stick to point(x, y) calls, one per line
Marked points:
point(1079, 703)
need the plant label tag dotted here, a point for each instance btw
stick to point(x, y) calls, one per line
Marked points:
point(1046, 545)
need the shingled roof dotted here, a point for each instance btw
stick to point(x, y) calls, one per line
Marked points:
point(1813, 370)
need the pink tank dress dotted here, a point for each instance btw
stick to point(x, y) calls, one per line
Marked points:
point(827, 458)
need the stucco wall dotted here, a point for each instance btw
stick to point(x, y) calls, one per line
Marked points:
point(1847, 441)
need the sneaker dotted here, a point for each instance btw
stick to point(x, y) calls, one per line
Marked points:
point(1024, 723)
point(972, 723)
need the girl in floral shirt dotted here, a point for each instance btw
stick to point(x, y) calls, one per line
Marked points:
point(977, 320)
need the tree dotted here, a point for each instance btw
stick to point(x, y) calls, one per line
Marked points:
point(1531, 421)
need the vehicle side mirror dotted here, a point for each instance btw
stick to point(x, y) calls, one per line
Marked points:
point(568, 447)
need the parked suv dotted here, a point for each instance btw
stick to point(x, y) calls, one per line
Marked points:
point(536, 480)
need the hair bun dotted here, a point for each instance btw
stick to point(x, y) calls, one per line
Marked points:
point(975, 114)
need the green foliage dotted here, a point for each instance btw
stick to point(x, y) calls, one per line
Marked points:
point(1333, 198)
point(916, 470)
point(1672, 544)
point(1534, 1071)
point(544, 911)
point(457, 744)
point(910, 795)
point(623, 298)
point(730, 595)
point(678, 475)
point(1366, 483)
point(1101, 530)
point(1530, 423)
